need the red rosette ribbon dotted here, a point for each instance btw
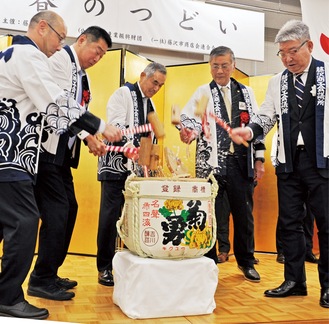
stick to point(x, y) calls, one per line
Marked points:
point(86, 96)
point(244, 118)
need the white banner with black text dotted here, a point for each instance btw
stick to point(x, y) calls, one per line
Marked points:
point(179, 25)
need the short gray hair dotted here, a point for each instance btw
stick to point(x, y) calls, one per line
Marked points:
point(153, 67)
point(221, 51)
point(293, 30)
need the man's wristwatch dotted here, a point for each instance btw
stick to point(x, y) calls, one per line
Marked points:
point(260, 159)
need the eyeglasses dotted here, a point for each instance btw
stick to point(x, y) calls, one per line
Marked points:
point(291, 52)
point(61, 39)
point(224, 66)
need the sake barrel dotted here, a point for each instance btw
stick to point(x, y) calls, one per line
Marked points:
point(168, 218)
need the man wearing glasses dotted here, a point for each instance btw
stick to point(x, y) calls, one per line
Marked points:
point(30, 98)
point(61, 38)
point(55, 192)
point(297, 100)
point(234, 167)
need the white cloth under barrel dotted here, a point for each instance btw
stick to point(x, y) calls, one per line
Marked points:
point(150, 288)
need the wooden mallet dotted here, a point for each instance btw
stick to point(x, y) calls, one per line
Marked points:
point(157, 126)
point(201, 112)
point(175, 115)
point(145, 154)
point(145, 151)
point(201, 107)
point(224, 125)
point(154, 157)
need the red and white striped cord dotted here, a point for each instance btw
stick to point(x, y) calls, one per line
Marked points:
point(225, 126)
point(137, 129)
point(122, 149)
point(221, 123)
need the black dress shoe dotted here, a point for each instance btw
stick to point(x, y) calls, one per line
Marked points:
point(310, 257)
point(280, 258)
point(50, 292)
point(23, 310)
point(105, 278)
point(324, 298)
point(250, 274)
point(65, 283)
point(256, 261)
point(288, 288)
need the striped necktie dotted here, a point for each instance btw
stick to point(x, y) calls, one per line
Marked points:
point(299, 88)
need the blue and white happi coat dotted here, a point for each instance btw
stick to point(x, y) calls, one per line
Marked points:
point(28, 94)
point(275, 110)
point(211, 153)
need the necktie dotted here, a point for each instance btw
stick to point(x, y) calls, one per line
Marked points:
point(299, 88)
point(227, 102)
point(228, 106)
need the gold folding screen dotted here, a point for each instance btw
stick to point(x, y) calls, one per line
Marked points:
point(105, 78)
point(119, 66)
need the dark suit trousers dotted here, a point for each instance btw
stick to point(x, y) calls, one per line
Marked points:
point(223, 223)
point(292, 190)
point(239, 189)
point(112, 201)
point(19, 219)
point(53, 204)
point(73, 210)
point(308, 227)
